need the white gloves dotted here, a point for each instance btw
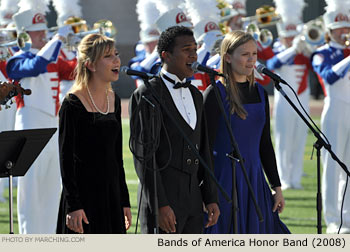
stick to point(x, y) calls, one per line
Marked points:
point(301, 46)
point(64, 31)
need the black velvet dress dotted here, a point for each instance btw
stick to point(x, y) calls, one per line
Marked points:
point(92, 171)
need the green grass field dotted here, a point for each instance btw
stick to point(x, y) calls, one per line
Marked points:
point(299, 215)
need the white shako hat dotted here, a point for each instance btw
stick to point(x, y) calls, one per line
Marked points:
point(205, 17)
point(7, 9)
point(337, 14)
point(171, 15)
point(237, 7)
point(31, 15)
point(66, 9)
point(147, 14)
point(291, 13)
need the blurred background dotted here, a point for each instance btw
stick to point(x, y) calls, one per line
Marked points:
point(123, 15)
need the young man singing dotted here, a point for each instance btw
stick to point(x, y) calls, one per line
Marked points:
point(182, 183)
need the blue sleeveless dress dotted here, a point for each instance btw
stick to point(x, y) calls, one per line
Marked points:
point(247, 134)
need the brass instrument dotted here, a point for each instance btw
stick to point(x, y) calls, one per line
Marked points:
point(23, 41)
point(78, 24)
point(263, 36)
point(225, 14)
point(102, 26)
point(106, 27)
point(265, 16)
point(313, 32)
point(347, 40)
point(10, 31)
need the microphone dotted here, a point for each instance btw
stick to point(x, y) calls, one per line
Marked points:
point(262, 69)
point(140, 74)
point(200, 68)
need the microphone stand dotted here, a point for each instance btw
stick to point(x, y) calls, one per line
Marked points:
point(187, 140)
point(318, 145)
point(154, 165)
point(235, 156)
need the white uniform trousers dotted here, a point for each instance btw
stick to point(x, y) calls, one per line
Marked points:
point(335, 123)
point(7, 122)
point(39, 190)
point(65, 86)
point(290, 134)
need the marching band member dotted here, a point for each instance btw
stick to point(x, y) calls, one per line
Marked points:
point(145, 49)
point(232, 16)
point(7, 9)
point(205, 17)
point(332, 62)
point(290, 62)
point(232, 20)
point(231, 13)
point(67, 11)
point(170, 15)
point(40, 70)
point(7, 116)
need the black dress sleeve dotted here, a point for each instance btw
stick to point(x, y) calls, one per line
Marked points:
point(125, 201)
point(212, 112)
point(68, 159)
point(267, 153)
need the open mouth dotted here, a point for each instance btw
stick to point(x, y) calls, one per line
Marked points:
point(189, 65)
point(115, 70)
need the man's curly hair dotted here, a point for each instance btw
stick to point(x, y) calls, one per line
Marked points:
point(166, 40)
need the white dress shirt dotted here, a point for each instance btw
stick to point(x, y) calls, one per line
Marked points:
point(182, 98)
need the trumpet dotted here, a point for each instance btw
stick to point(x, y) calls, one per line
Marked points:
point(263, 36)
point(313, 32)
point(23, 41)
point(106, 27)
point(347, 39)
point(78, 24)
point(103, 26)
point(264, 16)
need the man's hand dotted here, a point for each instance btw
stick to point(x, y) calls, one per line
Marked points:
point(167, 219)
point(127, 217)
point(213, 214)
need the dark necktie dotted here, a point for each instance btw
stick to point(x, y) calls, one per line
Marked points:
point(177, 84)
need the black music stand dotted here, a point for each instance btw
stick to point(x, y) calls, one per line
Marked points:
point(18, 151)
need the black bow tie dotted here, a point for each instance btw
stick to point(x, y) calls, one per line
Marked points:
point(177, 84)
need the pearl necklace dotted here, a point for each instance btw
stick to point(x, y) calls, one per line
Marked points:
point(93, 103)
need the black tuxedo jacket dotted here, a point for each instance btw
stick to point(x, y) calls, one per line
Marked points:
point(182, 182)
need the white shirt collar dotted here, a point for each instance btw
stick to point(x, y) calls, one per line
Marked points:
point(172, 76)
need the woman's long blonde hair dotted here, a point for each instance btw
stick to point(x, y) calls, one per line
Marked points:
point(91, 48)
point(229, 44)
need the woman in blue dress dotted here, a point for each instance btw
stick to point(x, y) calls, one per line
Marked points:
point(246, 105)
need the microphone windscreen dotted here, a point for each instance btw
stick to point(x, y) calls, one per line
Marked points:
point(124, 69)
point(260, 68)
point(194, 66)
